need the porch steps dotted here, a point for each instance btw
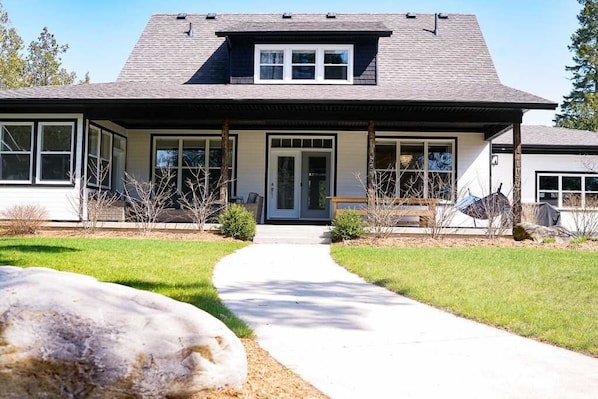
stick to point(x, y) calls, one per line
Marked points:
point(278, 234)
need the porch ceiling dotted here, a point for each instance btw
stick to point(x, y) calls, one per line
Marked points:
point(490, 119)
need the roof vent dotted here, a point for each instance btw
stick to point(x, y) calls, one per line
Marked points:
point(411, 15)
point(211, 15)
point(331, 15)
point(190, 31)
point(181, 15)
point(443, 15)
point(287, 15)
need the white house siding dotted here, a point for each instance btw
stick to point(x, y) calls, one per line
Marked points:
point(60, 202)
point(251, 162)
point(532, 163)
point(351, 163)
point(139, 153)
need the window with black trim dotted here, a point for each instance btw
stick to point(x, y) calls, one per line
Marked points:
point(568, 190)
point(36, 153)
point(187, 157)
point(303, 63)
point(16, 152)
point(408, 168)
point(106, 156)
point(55, 152)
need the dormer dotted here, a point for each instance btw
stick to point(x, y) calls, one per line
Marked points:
point(331, 51)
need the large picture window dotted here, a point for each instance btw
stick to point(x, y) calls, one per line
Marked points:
point(303, 63)
point(16, 146)
point(189, 156)
point(415, 168)
point(568, 190)
point(55, 158)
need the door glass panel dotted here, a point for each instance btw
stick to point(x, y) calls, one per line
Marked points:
point(316, 177)
point(286, 183)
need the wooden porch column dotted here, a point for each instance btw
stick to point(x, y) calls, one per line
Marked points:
point(371, 164)
point(224, 177)
point(516, 173)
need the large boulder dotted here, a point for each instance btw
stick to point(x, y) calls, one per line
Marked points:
point(69, 336)
point(530, 231)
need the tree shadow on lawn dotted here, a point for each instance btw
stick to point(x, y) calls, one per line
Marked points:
point(49, 249)
point(196, 294)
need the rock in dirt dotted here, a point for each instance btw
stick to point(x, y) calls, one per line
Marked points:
point(67, 335)
point(530, 231)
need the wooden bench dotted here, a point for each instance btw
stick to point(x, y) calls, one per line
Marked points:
point(422, 208)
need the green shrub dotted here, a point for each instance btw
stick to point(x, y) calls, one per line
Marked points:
point(549, 240)
point(347, 225)
point(237, 222)
point(579, 240)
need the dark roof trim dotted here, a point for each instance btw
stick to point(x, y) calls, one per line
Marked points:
point(547, 149)
point(376, 29)
point(367, 103)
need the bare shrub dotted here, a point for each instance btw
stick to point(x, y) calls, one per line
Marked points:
point(440, 225)
point(146, 200)
point(385, 210)
point(98, 201)
point(584, 215)
point(381, 209)
point(24, 219)
point(201, 199)
point(529, 213)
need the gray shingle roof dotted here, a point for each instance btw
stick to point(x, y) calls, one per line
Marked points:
point(547, 135)
point(413, 64)
point(408, 92)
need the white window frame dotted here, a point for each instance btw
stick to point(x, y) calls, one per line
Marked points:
point(399, 170)
point(180, 166)
point(30, 152)
point(560, 191)
point(287, 75)
point(40, 152)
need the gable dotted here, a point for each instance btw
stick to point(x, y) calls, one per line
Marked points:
point(165, 51)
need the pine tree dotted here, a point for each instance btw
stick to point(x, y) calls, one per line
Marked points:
point(579, 109)
point(40, 66)
point(44, 64)
point(12, 65)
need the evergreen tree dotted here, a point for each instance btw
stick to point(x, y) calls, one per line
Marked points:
point(579, 109)
point(44, 64)
point(12, 65)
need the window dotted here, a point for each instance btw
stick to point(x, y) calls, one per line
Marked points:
point(119, 155)
point(16, 145)
point(98, 157)
point(415, 168)
point(55, 143)
point(568, 190)
point(303, 63)
point(185, 157)
point(106, 153)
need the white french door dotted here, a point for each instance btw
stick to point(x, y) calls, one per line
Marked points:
point(284, 191)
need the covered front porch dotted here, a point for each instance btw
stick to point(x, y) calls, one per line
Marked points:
point(294, 154)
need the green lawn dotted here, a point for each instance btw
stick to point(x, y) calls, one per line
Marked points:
point(548, 294)
point(179, 269)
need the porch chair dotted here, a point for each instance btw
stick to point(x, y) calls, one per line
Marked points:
point(254, 205)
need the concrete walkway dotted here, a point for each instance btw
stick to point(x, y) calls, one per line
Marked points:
point(351, 339)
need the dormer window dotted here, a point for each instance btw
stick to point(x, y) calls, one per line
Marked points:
point(301, 64)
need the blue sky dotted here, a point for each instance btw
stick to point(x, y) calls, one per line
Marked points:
point(528, 39)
